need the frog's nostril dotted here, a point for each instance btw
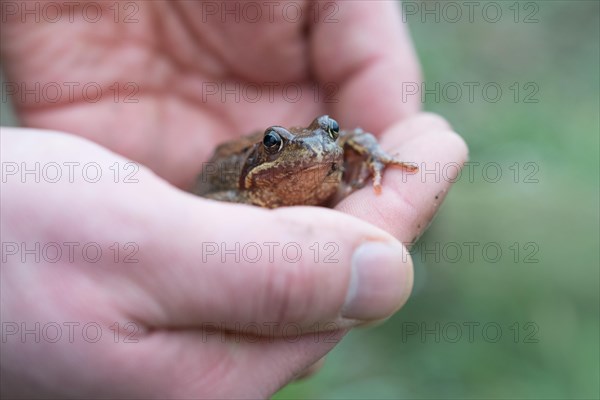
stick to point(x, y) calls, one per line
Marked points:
point(334, 168)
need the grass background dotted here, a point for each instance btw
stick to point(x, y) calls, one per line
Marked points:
point(557, 354)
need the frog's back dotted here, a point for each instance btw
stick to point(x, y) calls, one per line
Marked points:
point(222, 171)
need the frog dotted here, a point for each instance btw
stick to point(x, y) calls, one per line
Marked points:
point(317, 165)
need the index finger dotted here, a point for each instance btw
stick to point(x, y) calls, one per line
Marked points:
point(364, 48)
point(408, 201)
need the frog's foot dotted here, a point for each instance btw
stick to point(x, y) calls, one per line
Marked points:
point(376, 159)
point(379, 161)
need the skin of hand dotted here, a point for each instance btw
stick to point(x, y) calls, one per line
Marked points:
point(171, 294)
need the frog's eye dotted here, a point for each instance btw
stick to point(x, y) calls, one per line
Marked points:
point(272, 141)
point(333, 128)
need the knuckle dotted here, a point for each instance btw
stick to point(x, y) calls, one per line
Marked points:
point(289, 290)
point(427, 121)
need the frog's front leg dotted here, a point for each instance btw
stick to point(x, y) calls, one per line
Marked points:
point(374, 158)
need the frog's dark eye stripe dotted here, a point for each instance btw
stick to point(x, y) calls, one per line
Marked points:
point(272, 141)
point(333, 128)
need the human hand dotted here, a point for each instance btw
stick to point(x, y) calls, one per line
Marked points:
point(173, 129)
point(137, 262)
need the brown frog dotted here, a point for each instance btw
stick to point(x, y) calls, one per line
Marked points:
point(317, 165)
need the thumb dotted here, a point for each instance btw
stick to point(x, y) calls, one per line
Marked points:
point(231, 265)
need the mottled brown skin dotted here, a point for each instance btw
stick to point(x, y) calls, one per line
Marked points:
point(317, 165)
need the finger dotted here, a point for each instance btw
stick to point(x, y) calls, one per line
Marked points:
point(223, 365)
point(310, 371)
point(287, 360)
point(421, 123)
point(223, 266)
point(408, 201)
point(367, 53)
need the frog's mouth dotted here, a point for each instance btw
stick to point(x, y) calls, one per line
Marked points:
point(311, 168)
point(314, 176)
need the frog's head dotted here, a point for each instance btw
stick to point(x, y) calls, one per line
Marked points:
point(295, 166)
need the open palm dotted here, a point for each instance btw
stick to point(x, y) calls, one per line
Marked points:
point(180, 80)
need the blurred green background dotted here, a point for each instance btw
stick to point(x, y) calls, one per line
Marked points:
point(548, 310)
point(542, 291)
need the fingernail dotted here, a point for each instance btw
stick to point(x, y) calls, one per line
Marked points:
point(380, 281)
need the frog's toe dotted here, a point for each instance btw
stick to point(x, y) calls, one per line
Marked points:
point(407, 166)
point(377, 185)
point(377, 171)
